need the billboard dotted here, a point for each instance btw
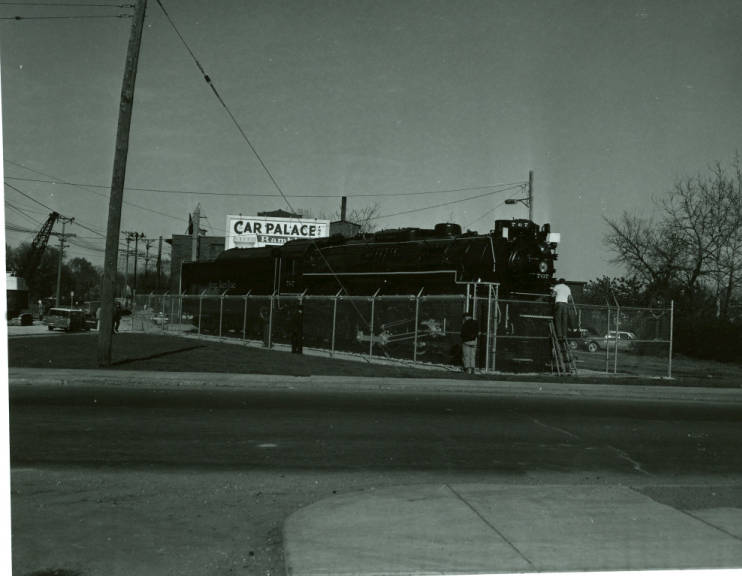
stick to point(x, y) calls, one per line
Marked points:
point(258, 231)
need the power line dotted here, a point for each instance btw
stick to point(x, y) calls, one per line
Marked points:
point(444, 203)
point(22, 213)
point(52, 210)
point(82, 186)
point(487, 213)
point(252, 194)
point(67, 4)
point(226, 108)
point(18, 18)
point(22, 193)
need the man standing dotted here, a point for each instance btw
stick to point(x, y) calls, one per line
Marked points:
point(116, 317)
point(469, 334)
point(297, 330)
point(562, 297)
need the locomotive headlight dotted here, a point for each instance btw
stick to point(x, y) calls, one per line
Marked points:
point(543, 267)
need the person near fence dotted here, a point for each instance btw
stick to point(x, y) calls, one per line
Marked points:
point(297, 330)
point(469, 334)
point(562, 299)
point(264, 325)
point(116, 317)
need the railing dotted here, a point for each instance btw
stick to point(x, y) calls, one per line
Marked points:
point(421, 328)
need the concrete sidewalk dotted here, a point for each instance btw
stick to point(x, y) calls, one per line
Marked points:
point(475, 529)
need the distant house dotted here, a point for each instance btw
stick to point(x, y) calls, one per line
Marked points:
point(279, 214)
point(16, 293)
point(345, 228)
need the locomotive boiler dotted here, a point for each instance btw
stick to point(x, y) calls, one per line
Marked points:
point(517, 254)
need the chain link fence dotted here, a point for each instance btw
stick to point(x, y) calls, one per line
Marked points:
point(423, 329)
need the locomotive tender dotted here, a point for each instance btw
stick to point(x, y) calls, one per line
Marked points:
point(517, 254)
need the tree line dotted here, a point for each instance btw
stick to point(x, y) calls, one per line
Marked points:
point(78, 275)
point(689, 252)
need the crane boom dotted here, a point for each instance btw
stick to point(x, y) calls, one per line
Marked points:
point(38, 246)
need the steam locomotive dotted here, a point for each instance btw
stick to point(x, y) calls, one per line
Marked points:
point(517, 254)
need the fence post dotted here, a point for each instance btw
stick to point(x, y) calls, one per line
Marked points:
point(334, 321)
point(371, 335)
point(178, 305)
point(489, 326)
point(162, 311)
point(221, 311)
point(200, 304)
point(669, 359)
point(615, 352)
point(244, 318)
point(605, 340)
point(417, 316)
point(270, 323)
point(497, 318)
point(474, 305)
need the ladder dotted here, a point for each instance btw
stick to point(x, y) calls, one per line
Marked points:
point(562, 360)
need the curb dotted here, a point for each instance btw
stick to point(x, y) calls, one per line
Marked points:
point(727, 397)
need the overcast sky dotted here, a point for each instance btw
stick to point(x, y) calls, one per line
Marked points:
point(392, 102)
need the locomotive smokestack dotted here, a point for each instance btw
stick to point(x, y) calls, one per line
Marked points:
point(343, 206)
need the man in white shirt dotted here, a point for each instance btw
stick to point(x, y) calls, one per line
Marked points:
point(562, 297)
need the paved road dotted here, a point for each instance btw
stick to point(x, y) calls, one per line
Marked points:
point(187, 477)
point(366, 430)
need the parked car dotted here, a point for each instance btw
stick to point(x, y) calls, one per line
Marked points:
point(579, 338)
point(624, 340)
point(67, 319)
point(159, 319)
point(23, 319)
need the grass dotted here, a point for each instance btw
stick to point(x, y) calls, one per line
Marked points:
point(176, 354)
point(159, 352)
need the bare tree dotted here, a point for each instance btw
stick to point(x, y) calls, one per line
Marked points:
point(696, 243)
point(727, 260)
point(646, 249)
point(365, 217)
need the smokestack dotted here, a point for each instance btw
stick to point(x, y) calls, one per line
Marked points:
point(196, 219)
point(343, 206)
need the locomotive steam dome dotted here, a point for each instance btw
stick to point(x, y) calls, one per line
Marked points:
point(447, 229)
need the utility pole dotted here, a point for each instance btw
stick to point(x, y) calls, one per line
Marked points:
point(530, 195)
point(117, 184)
point(528, 202)
point(62, 237)
point(159, 263)
point(147, 244)
point(137, 236)
point(129, 236)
